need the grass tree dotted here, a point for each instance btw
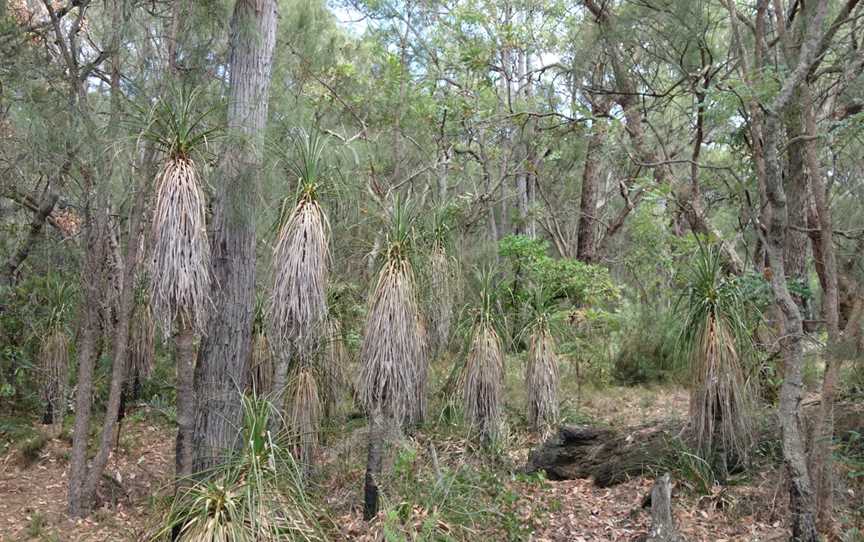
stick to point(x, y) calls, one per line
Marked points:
point(483, 385)
point(713, 339)
point(297, 305)
point(393, 361)
point(541, 376)
point(180, 251)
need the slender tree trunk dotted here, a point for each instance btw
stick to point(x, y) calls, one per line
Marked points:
point(823, 428)
point(92, 286)
point(794, 454)
point(184, 351)
point(225, 349)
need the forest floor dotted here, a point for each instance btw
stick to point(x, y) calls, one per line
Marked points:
point(441, 489)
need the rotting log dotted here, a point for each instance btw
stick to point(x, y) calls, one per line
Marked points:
point(612, 456)
point(608, 456)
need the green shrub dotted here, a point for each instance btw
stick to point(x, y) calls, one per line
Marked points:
point(647, 348)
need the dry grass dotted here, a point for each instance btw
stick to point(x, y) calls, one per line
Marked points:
point(304, 417)
point(298, 299)
point(484, 382)
point(719, 393)
point(180, 264)
point(54, 375)
point(541, 380)
point(393, 362)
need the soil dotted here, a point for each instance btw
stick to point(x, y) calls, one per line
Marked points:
point(33, 495)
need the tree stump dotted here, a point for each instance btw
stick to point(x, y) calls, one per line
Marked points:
point(662, 522)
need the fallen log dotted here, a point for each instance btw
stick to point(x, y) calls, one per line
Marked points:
point(610, 456)
point(607, 456)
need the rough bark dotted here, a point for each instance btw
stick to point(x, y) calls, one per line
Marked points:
point(795, 249)
point(586, 243)
point(225, 349)
point(604, 455)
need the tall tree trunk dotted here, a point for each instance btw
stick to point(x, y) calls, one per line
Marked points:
point(225, 350)
point(586, 243)
point(795, 250)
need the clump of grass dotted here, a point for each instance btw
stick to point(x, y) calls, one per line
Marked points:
point(687, 466)
point(441, 284)
point(257, 495)
point(392, 354)
point(31, 448)
point(713, 338)
point(484, 383)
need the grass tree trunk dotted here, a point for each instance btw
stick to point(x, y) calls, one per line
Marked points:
point(374, 461)
point(225, 349)
point(184, 344)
